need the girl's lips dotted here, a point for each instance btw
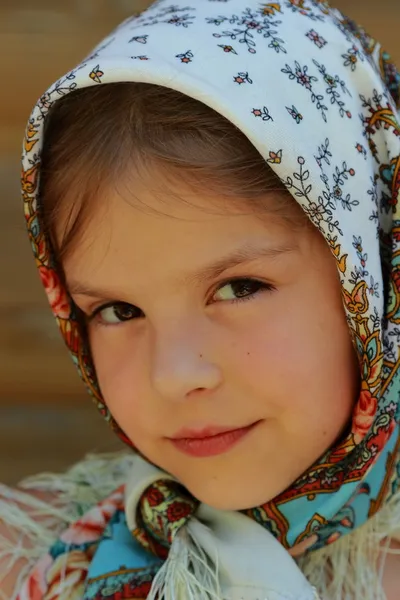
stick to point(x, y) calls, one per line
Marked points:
point(210, 441)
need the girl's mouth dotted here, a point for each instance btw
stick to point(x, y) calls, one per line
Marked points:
point(210, 441)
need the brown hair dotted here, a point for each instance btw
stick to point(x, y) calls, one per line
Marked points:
point(95, 136)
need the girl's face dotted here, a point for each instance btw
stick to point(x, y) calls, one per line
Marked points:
point(206, 322)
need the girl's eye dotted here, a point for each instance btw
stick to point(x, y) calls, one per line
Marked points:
point(238, 290)
point(116, 313)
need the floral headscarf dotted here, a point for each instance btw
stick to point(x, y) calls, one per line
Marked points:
point(318, 99)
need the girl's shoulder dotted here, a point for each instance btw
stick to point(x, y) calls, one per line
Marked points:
point(34, 515)
point(391, 573)
point(17, 509)
point(12, 567)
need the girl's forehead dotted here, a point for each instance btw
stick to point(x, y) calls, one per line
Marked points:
point(186, 240)
point(153, 217)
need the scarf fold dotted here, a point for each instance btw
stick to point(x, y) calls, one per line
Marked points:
point(79, 515)
point(317, 98)
point(212, 555)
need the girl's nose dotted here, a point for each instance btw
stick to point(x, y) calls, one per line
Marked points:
point(181, 364)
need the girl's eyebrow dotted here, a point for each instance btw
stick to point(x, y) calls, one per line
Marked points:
point(243, 255)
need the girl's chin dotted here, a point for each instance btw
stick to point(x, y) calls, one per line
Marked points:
point(223, 497)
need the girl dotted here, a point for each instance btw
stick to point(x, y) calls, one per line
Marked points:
point(212, 201)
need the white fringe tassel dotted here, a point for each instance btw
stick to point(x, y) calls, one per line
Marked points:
point(351, 568)
point(43, 506)
point(187, 574)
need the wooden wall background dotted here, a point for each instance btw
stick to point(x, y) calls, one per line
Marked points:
point(46, 419)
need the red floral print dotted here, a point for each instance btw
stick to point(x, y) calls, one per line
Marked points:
point(57, 296)
point(363, 415)
point(154, 496)
point(178, 511)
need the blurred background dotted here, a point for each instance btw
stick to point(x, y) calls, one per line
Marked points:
point(46, 419)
